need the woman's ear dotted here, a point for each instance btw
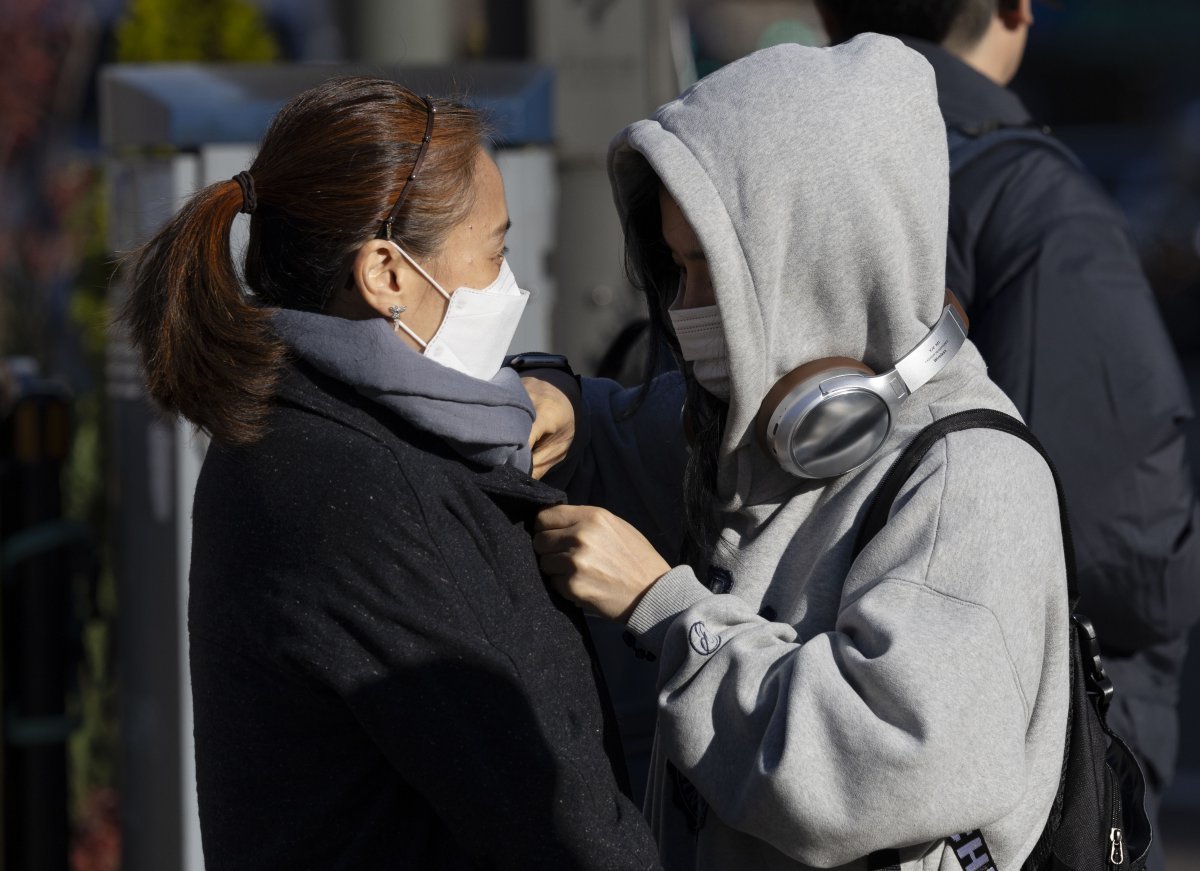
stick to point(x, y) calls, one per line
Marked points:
point(379, 275)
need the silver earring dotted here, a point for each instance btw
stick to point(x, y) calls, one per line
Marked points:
point(395, 311)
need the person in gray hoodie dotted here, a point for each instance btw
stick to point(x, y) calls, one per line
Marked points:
point(813, 708)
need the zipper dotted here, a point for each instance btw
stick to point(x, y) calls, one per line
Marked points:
point(1116, 836)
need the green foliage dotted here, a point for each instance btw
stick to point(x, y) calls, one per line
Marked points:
point(93, 748)
point(186, 30)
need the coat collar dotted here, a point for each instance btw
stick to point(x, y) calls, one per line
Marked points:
point(305, 387)
point(969, 100)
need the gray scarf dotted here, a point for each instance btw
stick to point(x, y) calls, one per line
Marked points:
point(487, 422)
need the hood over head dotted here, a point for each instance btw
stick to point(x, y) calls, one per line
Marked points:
point(816, 180)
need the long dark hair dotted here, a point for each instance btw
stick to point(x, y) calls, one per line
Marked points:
point(650, 269)
point(329, 168)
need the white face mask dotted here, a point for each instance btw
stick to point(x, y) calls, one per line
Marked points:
point(478, 325)
point(702, 341)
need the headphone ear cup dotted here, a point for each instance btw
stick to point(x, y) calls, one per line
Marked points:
point(817, 370)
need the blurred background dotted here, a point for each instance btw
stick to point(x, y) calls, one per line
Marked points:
point(112, 111)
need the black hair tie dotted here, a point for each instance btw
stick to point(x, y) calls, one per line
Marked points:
point(249, 197)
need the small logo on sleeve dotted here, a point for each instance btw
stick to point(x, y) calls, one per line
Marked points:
point(701, 640)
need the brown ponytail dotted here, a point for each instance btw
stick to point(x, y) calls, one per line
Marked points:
point(208, 353)
point(326, 175)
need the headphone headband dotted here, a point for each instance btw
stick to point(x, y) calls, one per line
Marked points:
point(936, 350)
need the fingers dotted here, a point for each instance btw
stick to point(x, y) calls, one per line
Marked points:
point(560, 566)
point(557, 552)
point(555, 541)
point(563, 516)
point(550, 518)
point(548, 452)
point(558, 543)
point(535, 435)
point(541, 463)
point(553, 429)
point(595, 559)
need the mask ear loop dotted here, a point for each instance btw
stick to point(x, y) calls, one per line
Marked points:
point(399, 324)
point(417, 266)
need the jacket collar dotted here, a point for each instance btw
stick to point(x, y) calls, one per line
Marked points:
point(969, 100)
point(305, 387)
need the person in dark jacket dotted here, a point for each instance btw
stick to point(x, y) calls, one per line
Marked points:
point(1064, 317)
point(379, 675)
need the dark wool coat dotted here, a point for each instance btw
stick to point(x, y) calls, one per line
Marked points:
point(1065, 319)
point(380, 677)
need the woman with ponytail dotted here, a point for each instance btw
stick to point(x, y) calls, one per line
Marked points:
point(380, 678)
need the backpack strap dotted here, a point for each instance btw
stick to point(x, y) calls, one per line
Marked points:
point(980, 418)
point(970, 848)
point(967, 145)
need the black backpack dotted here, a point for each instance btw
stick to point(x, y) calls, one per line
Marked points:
point(1098, 820)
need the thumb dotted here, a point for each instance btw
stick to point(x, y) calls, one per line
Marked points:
point(536, 431)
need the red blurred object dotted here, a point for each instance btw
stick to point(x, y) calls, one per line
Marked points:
point(96, 842)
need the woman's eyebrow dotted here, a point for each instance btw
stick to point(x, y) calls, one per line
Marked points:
point(502, 229)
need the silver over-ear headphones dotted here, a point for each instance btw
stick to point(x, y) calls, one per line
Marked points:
point(830, 416)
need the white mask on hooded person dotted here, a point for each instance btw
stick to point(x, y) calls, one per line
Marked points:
point(478, 326)
point(702, 342)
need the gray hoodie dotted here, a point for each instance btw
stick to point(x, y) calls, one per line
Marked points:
point(823, 708)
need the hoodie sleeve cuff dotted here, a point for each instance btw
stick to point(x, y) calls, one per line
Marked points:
point(667, 598)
